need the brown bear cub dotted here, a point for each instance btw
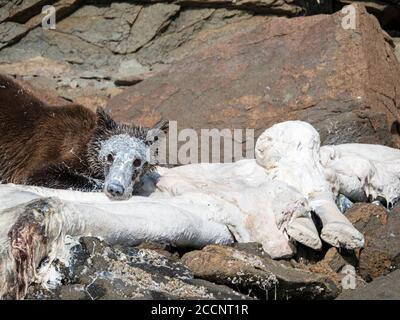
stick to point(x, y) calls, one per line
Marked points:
point(70, 147)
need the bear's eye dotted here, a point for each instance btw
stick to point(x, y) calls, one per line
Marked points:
point(110, 158)
point(137, 162)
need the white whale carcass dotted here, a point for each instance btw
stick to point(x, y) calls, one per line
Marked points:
point(268, 200)
point(34, 221)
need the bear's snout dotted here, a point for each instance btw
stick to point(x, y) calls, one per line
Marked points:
point(115, 189)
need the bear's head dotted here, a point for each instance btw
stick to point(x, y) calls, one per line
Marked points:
point(122, 154)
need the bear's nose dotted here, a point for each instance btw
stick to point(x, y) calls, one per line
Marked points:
point(115, 189)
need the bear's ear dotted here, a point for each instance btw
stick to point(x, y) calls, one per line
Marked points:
point(158, 132)
point(103, 120)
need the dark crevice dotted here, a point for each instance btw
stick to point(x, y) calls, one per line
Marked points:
point(25, 14)
point(388, 17)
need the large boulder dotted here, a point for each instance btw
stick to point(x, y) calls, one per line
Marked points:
point(263, 71)
point(381, 230)
point(257, 274)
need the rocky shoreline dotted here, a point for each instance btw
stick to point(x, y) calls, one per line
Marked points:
point(242, 271)
point(117, 54)
point(220, 64)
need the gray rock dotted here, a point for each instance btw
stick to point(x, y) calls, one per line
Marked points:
point(387, 11)
point(11, 32)
point(382, 288)
point(151, 21)
point(106, 27)
point(101, 272)
point(128, 81)
point(189, 32)
point(130, 68)
point(122, 28)
point(56, 45)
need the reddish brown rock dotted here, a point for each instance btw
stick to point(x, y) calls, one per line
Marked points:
point(345, 82)
point(257, 274)
point(381, 230)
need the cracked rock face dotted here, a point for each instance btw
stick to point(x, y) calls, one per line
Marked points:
point(387, 11)
point(277, 69)
point(122, 28)
point(121, 44)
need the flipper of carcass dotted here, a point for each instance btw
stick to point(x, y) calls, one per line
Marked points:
point(290, 152)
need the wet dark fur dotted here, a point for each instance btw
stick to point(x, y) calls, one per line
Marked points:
point(52, 146)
